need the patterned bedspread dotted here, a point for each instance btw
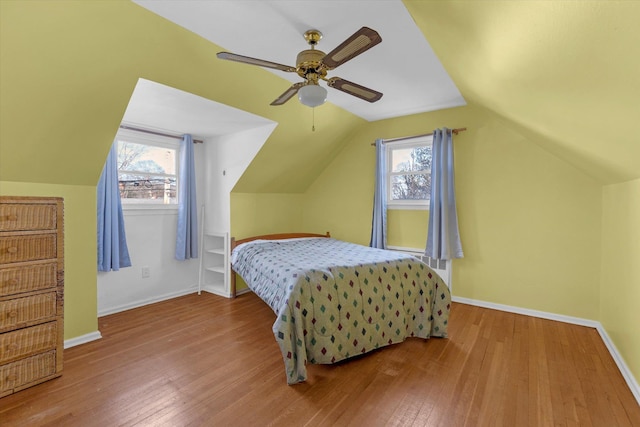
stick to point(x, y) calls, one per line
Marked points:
point(335, 300)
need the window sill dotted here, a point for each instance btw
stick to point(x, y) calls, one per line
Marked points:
point(149, 209)
point(407, 206)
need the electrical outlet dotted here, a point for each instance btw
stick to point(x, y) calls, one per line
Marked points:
point(146, 272)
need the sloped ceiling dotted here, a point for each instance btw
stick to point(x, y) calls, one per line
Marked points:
point(169, 110)
point(566, 74)
point(68, 70)
point(563, 73)
point(272, 30)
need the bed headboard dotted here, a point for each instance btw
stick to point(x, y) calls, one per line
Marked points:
point(279, 236)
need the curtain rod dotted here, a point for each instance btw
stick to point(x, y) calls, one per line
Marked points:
point(402, 138)
point(195, 141)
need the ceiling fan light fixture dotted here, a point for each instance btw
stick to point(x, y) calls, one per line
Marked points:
point(312, 95)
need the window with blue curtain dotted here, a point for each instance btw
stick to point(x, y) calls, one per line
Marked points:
point(113, 253)
point(187, 235)
point(379, 220)
point(443, 236)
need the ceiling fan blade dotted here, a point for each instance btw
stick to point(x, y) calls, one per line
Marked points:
point(354, 89)
point(288, 94)
point(254, 61)
point(362, 40)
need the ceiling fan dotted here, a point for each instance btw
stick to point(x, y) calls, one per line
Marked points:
point(312, 65)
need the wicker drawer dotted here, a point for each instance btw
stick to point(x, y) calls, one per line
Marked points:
point(20, 312)
point(27, 247)
point(27, 372)
point(31, 291)
point(15, 280)
point(19, 216)
point(27, 342)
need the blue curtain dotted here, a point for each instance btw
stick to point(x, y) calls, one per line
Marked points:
point(379, 222)
point(112, 242)
point(443, 237)
point(187, 236)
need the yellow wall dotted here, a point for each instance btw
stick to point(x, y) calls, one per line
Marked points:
point(407, 228)
point(620, 284)
point(559, 69)
point(253, 214)
point(80, 250)
point(530, 223)
point(256, 213)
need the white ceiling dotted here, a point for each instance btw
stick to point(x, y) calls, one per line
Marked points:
point(162, 108)
point(403, 67)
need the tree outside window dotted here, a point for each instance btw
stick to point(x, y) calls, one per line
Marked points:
point(146, 173)
point(409, 173)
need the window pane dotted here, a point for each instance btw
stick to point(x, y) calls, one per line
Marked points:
point(146, 158)
point(411, 159)
point(411, 187)
point(147, 173)
point(147, 189)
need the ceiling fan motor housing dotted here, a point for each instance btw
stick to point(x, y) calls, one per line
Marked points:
point(309, 63)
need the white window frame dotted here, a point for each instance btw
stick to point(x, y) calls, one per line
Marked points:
point(154, 141)
point(420, 141)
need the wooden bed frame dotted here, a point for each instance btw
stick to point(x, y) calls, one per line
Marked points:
point(279, 236)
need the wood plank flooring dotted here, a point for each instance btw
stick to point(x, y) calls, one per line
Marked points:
point(209, 361)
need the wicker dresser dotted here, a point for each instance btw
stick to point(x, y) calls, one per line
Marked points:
point(31, 291)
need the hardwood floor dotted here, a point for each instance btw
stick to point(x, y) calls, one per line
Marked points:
point(206, 360)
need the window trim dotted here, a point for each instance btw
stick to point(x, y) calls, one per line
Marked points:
point(155, 141)
point(419, 141)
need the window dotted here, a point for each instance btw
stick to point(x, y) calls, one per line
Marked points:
point(147, 170)
point(409, 173)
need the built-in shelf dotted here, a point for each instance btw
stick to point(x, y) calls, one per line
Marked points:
point(219, 251)
point(214, 264)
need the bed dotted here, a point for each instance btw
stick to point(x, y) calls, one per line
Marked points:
point(334, 300)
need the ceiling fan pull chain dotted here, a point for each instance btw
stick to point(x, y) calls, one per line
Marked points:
point(313, 119)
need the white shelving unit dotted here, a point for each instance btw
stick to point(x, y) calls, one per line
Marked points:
point(214, 263)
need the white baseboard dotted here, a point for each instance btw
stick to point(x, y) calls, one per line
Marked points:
point(622, 366)
point(83, 339)
point(215, 291)
point(617, 357)
point(527, 312)
point(146, 301)
point(243, 291)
